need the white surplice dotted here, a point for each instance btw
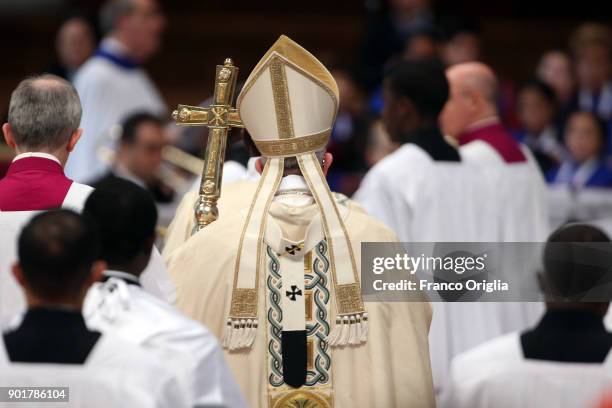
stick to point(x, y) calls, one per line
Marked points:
point(424, 200)
point(496, 374)
point(127, 311)
point(109, 92)
point(116, 374)
point(155, 279)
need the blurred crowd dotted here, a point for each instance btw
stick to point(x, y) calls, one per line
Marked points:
point(563, 113)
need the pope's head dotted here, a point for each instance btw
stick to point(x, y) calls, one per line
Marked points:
point(290, 164)
point(44, 116)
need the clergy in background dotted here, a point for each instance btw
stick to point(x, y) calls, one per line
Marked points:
point(421, 190)
point(120, 306)
point(58, 253)
point(43, 129)
point(514, 187)
point(139, 159)
point(112, 84)
point(279, 282)
point(471, 117)
point(564, 361)
point(426, 194)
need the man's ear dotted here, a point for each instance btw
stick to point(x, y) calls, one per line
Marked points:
point(8, 136)
point(97, 269)
point(74, 138)
point(328, 159)
point(259, 165)
point(18, 274)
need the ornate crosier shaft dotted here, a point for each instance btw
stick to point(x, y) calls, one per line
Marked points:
point(219, 118)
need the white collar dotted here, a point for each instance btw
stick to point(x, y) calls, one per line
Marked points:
point(121, 275)
point(293, 182)
point(37, 154)
point(481, 123)
point(114, 46)
point(294, 191)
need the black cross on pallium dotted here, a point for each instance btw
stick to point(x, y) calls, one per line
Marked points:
point(293, 249)
point(293, 293)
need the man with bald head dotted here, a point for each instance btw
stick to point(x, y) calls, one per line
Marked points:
point(513, 188)
point(470, 115)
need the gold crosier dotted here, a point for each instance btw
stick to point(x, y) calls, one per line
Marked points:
point(219, 118)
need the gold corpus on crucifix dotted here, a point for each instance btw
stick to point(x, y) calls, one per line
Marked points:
point(219, 118)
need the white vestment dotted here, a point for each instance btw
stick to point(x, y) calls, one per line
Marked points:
point(519, 189)
point(155, 278)
point(116, 374)
point(424, 200)
point(109, 92)
point(127, 311)
point(496, 374)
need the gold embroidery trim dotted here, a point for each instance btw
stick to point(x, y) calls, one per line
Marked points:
point(308, 303)
point(309, 355)
point(244, 303)
point(304, 397)
point(299, 56)
point(282, 104)
point(349, 298)
point(293, 146)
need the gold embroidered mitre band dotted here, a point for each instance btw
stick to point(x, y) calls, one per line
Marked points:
point(288, 105)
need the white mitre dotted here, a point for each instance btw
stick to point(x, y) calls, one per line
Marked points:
point(288, 105)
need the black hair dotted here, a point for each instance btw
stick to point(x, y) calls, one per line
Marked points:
point(125, 215)
point(56, 251)
point(571, 267)
point(542, 88)
point(424, 83)
point(130, 125)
